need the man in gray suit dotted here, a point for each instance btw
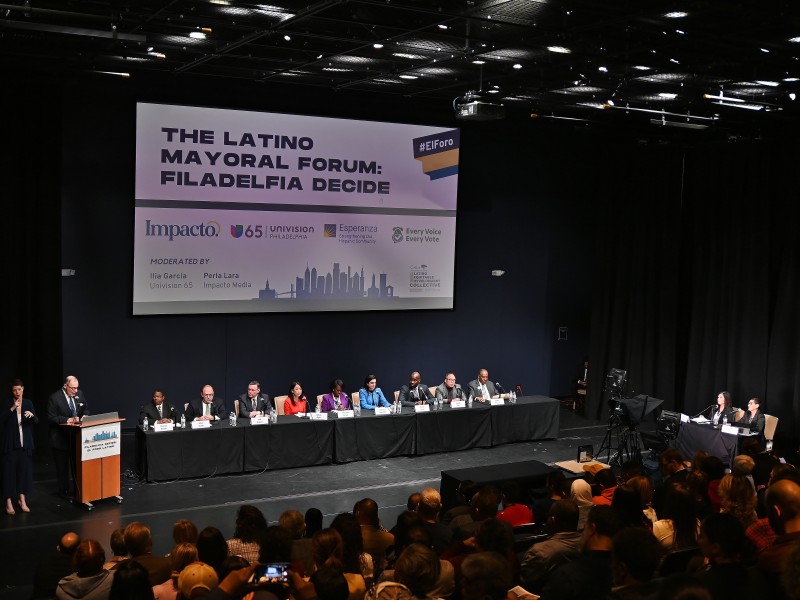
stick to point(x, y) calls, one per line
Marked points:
point(253, 403)
point(482, 389)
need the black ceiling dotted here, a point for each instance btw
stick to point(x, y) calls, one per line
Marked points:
point(728, 65)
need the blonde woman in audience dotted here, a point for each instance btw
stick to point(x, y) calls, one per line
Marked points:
point(738, 498)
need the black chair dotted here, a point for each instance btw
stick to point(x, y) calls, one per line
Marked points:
point(676, 561)
point(526, 535)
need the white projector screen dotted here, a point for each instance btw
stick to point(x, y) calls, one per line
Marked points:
point(240, 211)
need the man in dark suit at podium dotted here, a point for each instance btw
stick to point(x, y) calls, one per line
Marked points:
point(253, 403)
point(158, 411)
point(207, 407)
point(66, 406)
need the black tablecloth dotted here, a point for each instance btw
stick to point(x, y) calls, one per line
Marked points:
point(294, 442)
point(368, 437)
point(697, 436)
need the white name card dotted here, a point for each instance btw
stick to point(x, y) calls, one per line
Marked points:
point(497, 401)
point(345, 414)
point(200, 424)
point(318, 416)
point(422, 407)
point(382, 410)
point(457, 404)
point(163, 426)
point(730, 429)
point(259, 420)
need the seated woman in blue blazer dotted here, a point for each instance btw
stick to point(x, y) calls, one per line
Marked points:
point(370, 396)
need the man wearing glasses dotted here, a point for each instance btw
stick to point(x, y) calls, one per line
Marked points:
point(207, 407)
point(449, 390)
point(65, 406)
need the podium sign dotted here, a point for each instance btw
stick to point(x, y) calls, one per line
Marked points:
point(100, 441)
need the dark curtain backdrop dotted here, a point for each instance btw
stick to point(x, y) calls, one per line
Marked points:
point(31, 155)
point(696, 287)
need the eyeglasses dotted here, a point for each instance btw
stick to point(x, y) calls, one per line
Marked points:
point(208, 395)
point(72, 387)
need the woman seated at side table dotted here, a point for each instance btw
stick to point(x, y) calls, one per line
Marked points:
point(753, 418)
point(336, 399)
point(370, 396)
point(296, 402)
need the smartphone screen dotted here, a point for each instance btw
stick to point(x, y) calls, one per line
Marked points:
point(270, 573)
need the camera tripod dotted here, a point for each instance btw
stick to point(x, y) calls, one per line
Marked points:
point(628, 447)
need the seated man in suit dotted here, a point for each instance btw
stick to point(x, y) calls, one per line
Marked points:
point(253, 403)
point(482, 389)
point(207, 407)
point(450, 390)
point(158, 411)
point(415, 392)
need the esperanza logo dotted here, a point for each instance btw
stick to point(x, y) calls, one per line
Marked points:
point(208, 229)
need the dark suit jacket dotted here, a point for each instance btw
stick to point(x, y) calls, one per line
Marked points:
point(57, 414)
point(475, 388)
point(195, 408)
point(406, 399)
point(151, 412)
point(9, 432)
point(263, 404)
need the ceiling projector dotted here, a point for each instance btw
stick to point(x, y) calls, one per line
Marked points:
point(473, 106)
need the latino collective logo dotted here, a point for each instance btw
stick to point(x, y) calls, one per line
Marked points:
point(397, 234)
point(329, 230)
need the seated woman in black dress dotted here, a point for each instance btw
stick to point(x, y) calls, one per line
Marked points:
point(723, 409)
point(753, 418)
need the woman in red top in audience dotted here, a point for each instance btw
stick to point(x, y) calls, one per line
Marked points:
point(296, 402)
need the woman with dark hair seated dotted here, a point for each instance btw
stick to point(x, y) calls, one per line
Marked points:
point(327, 548)
point(371, 396)
point(415, 575)
point(723, 410)
point(297, 401)
point(679, 526)
point(336, 399)
point(250, 527)
point(754, 418)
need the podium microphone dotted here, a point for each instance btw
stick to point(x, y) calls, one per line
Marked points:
point(704, 410)
point(499, 387)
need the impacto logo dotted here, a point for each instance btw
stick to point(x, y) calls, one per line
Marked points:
point(237, 231)
point(397, 234)
point(208, 229)
point(329, 231)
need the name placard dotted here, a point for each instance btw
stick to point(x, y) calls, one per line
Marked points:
point(345, 414)
point(382, 410)
point(730, 429)
point(163, 426)
point(201, 424)
point(457, 404)
point(497, 402)
point(318, 416)
point(259, 420)
point(422, 407)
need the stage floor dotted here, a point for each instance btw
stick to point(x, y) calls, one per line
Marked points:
point(214, 501)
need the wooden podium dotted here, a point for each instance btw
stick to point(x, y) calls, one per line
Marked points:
point(96, 447)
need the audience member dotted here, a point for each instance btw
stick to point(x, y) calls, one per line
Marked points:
point(563, 545)
point(556, 489)
point(644, 487)
point(276, 547)
point(606, 483)
point(313, 518)
point(429, 507)
point(514, 511)
point(131, 582)
point(715, 469)
point(697, 482)
point(250, 527)
point(729, 573)
point(492, 535)
point(293, 522)
point(197, 580)
point(783, 512)
point(484, 505)
point(417, 534)
point(376, 539)
point(738, 498)
point(673, 470)
point(485, 576)
point(90, 581)
point(181, 556)
point(465, 490)
point(327, 548)
point(184, 531)
point(118, 550)
point(679, 526)
point(232, 563)
point(581, 494)
point(330, 584)
point(589, 576)
point(636, 555)
point(212, 548)
point(416, 573)
point(139, 543)
point(354, 559)
point(53, 568)
point(628, 503)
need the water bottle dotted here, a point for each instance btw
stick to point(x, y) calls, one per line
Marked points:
point(725, 419)
point(399, 409)
point(232, 419)
point(183, 421)
point(273, 415)
point(145, 423)
point(469, 401)
point(318, 409)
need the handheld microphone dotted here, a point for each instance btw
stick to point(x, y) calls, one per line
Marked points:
point(499, 387)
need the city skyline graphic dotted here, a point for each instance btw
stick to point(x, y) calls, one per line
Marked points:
point(336, 283)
